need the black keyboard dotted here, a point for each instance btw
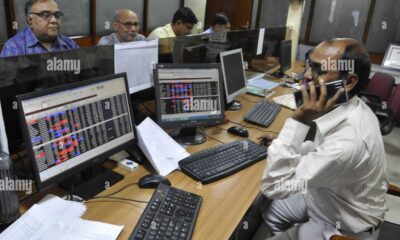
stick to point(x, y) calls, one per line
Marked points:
point(171, 215)
point(215, 163)
point(263, 113)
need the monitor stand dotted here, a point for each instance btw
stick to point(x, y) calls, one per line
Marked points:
point(91, 181)
point(234, 106)
point(278, 73)
point(188, 136)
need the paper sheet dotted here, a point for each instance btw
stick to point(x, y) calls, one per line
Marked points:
point(55, 218)
point(262, 83)
point(260, 41)
point(286, 100)
point(161, 150)
point(3, 136)
point(137, 60)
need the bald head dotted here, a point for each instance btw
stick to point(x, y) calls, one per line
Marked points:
point(126, 25)
point(350, 59)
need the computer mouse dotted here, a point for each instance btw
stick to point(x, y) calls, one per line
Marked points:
point(152, 181)
point(239, 131)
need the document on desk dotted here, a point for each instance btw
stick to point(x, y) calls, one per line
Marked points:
point(137, 60)
point(161, 150)
point(262, 83)
point(286, 100)
point(3, 136)
point(49, 221)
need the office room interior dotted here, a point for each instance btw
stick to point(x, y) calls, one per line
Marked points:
point(200, 119)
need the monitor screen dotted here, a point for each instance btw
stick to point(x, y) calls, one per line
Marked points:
point(233, 72)
point(285, 56)
point(74, 126)
point(188, 95)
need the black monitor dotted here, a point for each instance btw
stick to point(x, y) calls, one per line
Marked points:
point(234, 77)
point(71, 128)
point(190, 49)
point(187, 96)
point(285, 58)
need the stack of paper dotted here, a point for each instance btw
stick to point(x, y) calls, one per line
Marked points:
point(161, 150)
point(55, 218)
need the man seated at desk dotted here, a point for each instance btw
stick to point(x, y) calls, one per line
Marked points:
point(43, 33)
point(335, 181)
point(182, 24)
point(126, 26)
point(221, 23)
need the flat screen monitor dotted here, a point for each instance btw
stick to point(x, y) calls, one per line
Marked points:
point(190, 49)
point(233, 72)
point(187, 96)
point(285, 58)
point(73, 127)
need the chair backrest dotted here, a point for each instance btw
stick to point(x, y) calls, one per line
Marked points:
point(394, 103)
point(381, 84)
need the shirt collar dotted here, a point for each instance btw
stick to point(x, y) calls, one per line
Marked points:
point(31, 39)
point(333, 118)
point(169, 29)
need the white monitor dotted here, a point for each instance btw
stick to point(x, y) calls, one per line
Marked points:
point(233, 73)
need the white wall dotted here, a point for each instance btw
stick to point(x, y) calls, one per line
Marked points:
point(199, 8)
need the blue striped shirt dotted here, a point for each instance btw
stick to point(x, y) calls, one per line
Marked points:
point(25, 43)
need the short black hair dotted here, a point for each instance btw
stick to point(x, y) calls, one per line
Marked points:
point(220, 19)
point(357, 52)
point(30, 3)
point(186, 15)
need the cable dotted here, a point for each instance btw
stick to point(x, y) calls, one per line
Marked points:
point(124, 199)
point(254, 127)
point(104, 201)
point(248, 100)
point(120, 190)
point(211, 137)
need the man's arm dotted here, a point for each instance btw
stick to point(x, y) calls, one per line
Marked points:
point(10, 49)
point(289, 170)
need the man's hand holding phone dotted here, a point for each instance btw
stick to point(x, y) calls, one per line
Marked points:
point(313, 105)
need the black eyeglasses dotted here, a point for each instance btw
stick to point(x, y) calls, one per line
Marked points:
point(316, 69)
point(46, 15)
point(129, 24)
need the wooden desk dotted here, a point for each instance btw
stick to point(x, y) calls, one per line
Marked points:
point(224, 202)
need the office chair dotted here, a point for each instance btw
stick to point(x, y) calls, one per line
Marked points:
point(376, 96)
point(394, 103)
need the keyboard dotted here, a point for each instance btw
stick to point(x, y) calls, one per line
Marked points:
point(215, 163)
point(171, 214)
point(263, 113)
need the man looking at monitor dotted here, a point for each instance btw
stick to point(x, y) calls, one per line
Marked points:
point(126, 26)
point(326, 170)
point(221, 23)
point(43, 31)
point(182, 24)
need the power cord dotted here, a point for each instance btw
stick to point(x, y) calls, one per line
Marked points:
point(105, 201)
point(120, 190)
point(211, 137)
point(118, 198)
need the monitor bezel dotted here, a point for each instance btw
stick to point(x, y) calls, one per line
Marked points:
point(218, 119)
point(90, 162)
point(231, 97)
point(284, 44)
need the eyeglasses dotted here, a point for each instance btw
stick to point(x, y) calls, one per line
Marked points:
point(316, 69)
point(129, 24)
point(46, 15)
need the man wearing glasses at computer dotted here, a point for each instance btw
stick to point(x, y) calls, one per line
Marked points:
point(126, 26)
point(326, 169)
point(43, 31)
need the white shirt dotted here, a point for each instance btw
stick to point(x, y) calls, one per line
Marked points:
point(342, 173)
point(162, 32)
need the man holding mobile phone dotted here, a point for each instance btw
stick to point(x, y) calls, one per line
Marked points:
point(335, 181)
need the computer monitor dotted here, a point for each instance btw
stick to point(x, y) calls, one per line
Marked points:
point(234, 76)
point(70, 128)
point(190, 49)
point(187, 96)
point(285, 58)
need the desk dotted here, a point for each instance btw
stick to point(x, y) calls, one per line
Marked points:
point(225, 202)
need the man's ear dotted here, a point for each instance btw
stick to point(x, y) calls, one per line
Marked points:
point(115, 26)
point(29, 20)
point(352, 81)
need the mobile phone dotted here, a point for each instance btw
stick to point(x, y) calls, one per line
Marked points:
point(331, 87)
